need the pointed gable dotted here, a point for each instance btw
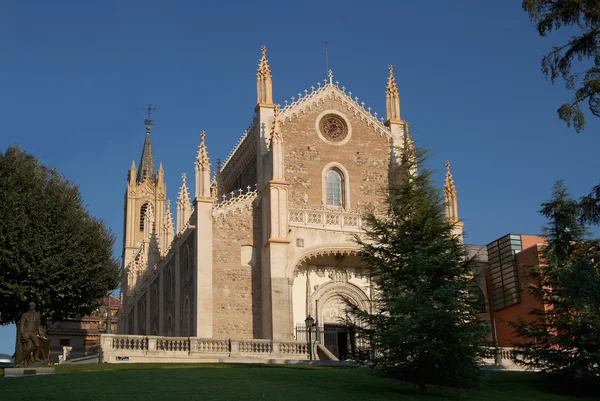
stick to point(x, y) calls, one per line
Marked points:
point(309, 100)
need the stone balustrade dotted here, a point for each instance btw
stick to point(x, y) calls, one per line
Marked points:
point(502, 355)
point(117, 348)
point(173, 344)
point(130, 343)
point(325, 219)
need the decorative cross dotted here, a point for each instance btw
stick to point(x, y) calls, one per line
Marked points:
point(149, 111)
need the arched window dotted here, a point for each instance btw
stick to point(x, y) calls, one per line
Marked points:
point(170, 284)
point(143, 210)
point(169, 326)
point(334, 188)
point(154, 301)
point(186, 317)
point(143, 319)
point(185, 271)
point(481, 304)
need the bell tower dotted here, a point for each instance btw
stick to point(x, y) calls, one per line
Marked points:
point(145, 214)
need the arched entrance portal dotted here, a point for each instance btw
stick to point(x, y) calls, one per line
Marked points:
point(323, 284)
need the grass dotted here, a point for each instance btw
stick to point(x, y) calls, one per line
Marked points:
point(149, 382)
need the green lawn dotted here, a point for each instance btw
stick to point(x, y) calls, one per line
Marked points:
point(164, 382)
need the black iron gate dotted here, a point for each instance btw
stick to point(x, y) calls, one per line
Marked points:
point(337, 338)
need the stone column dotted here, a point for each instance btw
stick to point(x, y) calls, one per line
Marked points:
point(161, 301)
point(277, 305)
point(204, 268)
point(135, 318)
point(148, 318)
point(177, 279)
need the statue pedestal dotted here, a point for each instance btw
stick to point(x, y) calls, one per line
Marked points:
point(33, 371)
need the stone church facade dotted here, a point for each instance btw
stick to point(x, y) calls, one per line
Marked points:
point(268, 237)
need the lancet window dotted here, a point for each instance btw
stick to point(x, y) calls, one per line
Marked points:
point(143, 211)
point(335, 188)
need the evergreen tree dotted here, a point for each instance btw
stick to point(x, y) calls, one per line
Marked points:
point(564, 337)
point(584, 46)
point(52, 251)
point(423, 327)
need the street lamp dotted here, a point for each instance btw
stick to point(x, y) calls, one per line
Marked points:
point(309, 324)
point(108, 318)
point(101, 324)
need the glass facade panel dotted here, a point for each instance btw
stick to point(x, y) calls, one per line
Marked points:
point(503, 271)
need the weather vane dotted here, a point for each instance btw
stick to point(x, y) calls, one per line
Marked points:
point(149, 110)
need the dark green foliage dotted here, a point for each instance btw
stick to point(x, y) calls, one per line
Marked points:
point(590, 207)
point(251, 382)
point(423, 326)
point(583, 15)
point(52, 251)
point(564, 337)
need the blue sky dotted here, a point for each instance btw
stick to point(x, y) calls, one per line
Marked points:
point(75, 76)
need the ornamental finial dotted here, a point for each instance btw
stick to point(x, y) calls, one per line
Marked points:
point(263, 65)
point(202, 160)
point(450, 200)
point(392, 100)
point(264, 84)
point(391, 88)
point(449, 182)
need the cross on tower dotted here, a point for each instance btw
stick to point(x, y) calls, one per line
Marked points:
point(149, 111)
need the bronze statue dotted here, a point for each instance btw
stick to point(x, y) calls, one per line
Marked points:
point(31, 337)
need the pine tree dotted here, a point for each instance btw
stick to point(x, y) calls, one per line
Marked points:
point(582, 18)
point(564, 337)
point(423, 327)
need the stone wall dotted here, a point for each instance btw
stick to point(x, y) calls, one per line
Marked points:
point(365, 156)
point(236, 274)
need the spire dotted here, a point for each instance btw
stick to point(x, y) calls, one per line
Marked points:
point(168, 217)
point(202, 170)
point(450, 201)
point(392, 100)
point(183, 205)
point(131, 176)
point(202, 160)
point(167, 235)
point(184, 194)
point(146, 167)
point(264, 85)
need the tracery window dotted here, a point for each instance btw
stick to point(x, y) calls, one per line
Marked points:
point(186, 265)
point(143, 210)
point(334, 188)
point(187, 317)
point(170, 285)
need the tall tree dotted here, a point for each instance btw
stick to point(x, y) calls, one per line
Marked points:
point(563, 338)
point(52, 251)
point(584, 16)
point(423, 324)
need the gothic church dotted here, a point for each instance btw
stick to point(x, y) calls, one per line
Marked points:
point(267, 238)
